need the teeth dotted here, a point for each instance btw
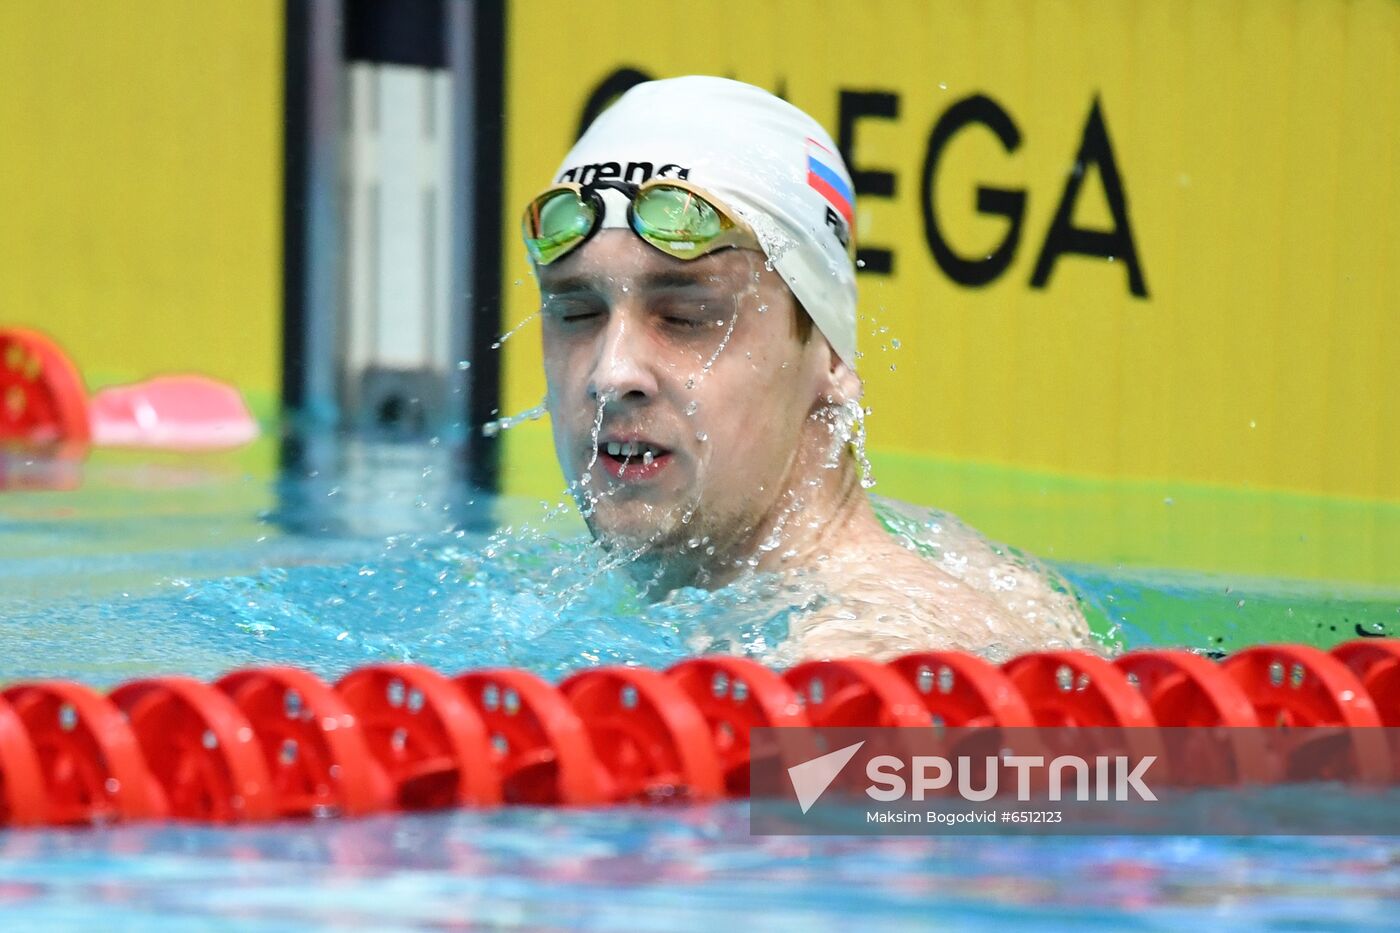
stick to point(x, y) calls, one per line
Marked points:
point(631, 449)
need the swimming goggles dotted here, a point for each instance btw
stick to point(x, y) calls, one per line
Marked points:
point(672, 216)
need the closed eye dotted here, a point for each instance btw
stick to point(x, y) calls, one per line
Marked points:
point(572, 309)
point(685, 322)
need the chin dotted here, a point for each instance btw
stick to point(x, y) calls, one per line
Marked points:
point(629, 529)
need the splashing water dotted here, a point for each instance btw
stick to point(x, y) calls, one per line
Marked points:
point(500, 341)
point(493, 428)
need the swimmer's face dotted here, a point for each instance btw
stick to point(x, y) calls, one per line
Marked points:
point(677, 390)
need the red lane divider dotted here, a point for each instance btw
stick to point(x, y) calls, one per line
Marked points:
point(649, 739)
point(321, 763)
point(1297, 685)
point(1189, 691)
point(42, 397)
point(200, 748)
point(1185, 689)
point(1072, 688)
point(963, 691)
point(425, 735)
point(735, 695)
point(856, 692)
point(539, 745)
point(1377, 663)
point(279, 742)
point(90, 762)
point(23, 801)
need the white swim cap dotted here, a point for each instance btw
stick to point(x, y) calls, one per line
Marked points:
point(767, 160)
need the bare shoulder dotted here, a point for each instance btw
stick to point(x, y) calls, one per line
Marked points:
point(887, 598)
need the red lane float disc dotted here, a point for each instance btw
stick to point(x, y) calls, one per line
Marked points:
point(42, 398)
point(1299, 686)
point(1078, 689)
point(962, 690)
point(736, 695)
point(425, 735)
point(1376, 661)
point(539, 745)
point(22, 798)
point(91, 763)
point(200, 748)
point(321, 764)
point(1074, 688)
point(1187, 690)
point(856, 692)
point(649, 738)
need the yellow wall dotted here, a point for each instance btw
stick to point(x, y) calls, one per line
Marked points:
point(1257, 146)
point(140, 178)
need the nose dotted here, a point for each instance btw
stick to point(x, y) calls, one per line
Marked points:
point(622, 369)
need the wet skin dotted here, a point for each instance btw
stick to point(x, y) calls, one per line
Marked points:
point(733, 464)
point(697, 360)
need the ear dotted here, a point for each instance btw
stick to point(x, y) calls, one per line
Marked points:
point(846, 383)
point(838, 381)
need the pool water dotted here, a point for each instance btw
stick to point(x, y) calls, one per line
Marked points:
point(363, 552)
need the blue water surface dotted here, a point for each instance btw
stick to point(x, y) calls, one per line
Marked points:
point(366, 552)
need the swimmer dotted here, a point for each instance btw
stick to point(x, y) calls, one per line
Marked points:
point(698, 306)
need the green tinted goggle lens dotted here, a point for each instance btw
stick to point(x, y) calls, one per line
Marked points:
point(557, 223)
point(673, 219)
point(676, 220)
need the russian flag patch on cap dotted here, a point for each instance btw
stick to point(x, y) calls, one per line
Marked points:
point(828, 181)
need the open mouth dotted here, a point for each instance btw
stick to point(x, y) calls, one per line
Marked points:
point(632, 459)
